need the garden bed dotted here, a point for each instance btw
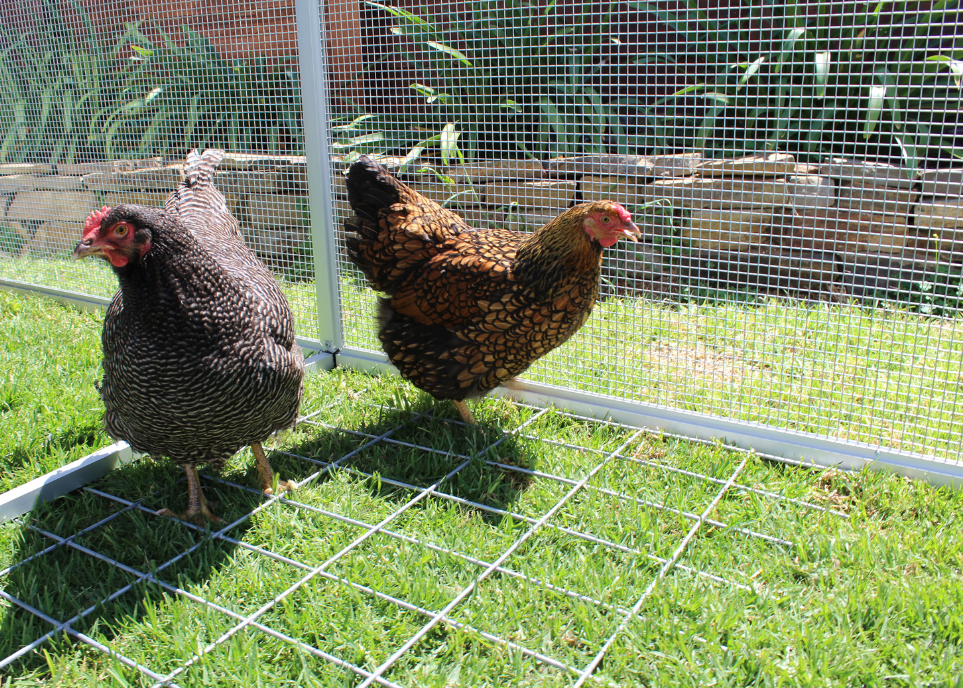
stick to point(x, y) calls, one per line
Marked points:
point(766, 223)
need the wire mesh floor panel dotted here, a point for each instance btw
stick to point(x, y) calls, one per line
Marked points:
point(415, 551)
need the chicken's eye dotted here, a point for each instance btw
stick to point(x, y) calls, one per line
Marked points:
point(606, 219)
point(121, 230)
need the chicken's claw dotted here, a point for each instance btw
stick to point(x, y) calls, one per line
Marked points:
point(266, 473)
point(198, 508)
point(197, 516)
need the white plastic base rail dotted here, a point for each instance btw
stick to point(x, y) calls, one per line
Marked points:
point(776, 442)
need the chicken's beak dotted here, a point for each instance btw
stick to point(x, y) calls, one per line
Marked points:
point(84, 249)
point(632, 232)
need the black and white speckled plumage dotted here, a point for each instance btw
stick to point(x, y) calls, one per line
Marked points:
point(199, 350)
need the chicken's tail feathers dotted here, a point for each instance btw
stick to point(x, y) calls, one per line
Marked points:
point(197, 199)
point(371, 188)
point(199, 168)
point(394, 229)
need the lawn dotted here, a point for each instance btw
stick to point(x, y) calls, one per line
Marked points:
point(519, 552)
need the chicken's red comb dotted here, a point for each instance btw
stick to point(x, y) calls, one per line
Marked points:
point(624, 214)
point(92, 224)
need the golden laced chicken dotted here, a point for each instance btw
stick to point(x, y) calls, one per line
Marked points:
point(468, 310)
point(199, 350)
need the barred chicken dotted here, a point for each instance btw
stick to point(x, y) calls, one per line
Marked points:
point(466, 310)
point(199, 350)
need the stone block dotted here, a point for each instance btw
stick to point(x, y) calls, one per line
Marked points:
point(772, 164)
point(483, 218)
point(637, 269)
point(52, 206)
point(157, 199)
point(874, 275)
point(32, 182)
point(285, 250)
point(528, 222)
point(166, 178)
point(292, 179)
point(619, 189)
point(866, 173)
point(151, 199)
point(810, 191)
point(53, 239)
point(274, 210)
point(877, 200)
point(728, 230)
point(448, 195)
point(258, 161)
point(107, 166)
point(681, 165)
point(606, 165)
point(243, 183)
point(939, 213)
point(14, 183)
point(812, 274)
point(553, 196)
point(947, 182)
point(696, 192)
point(844, 231)
point(486, 170)
point(940, 244)
point(26, 168)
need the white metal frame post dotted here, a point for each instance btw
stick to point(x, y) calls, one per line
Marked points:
point(314, 102)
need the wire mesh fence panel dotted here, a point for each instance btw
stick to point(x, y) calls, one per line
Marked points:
point(795, 171)
point(101, 103)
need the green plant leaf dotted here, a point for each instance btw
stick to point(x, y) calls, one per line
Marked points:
point(751, 69)
point(877, 96)
point(821, 64)
point(449, 142)
point(398, 12)
point(448, 50)
point(359, 140)
point(956, 66)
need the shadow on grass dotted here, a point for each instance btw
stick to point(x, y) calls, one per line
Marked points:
point(404, 457)
point(66, 581)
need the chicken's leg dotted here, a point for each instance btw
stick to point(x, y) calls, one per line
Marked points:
point(196, 503)
point(266, 474)
point(465, 412)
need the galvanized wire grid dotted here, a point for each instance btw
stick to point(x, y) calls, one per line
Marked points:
point(813, 296)
point(107, 118)
point(233, 617)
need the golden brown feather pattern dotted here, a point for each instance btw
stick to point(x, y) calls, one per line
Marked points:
point(468, 310)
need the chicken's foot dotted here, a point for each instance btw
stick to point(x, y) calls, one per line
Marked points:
point(198, 507)
point(466, 414)
point(266, 474)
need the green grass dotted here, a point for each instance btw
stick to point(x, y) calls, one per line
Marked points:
point(49, 409)
point(873, 598)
